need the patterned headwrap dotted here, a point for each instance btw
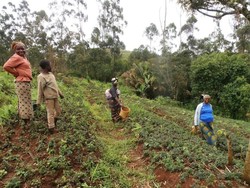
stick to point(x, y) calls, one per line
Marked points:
point(114, 80)
point(15, 44)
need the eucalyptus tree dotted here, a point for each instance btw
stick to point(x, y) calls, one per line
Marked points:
point(170, 34)
point(189, 29)
point(163, 40)
point(6, 32)
point(218, 8)
point(111, 23)
point(20, 20)
point(14, 19)
point(218, 41)
point(14, 24)
point(215, 42)
point(66, 23)
point(65, 28)
point(96, 37)
point(242, 35)
point(38, 36)
point(151, 31)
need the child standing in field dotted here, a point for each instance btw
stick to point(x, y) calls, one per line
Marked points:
point(49, 92)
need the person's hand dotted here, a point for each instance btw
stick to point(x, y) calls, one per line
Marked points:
point(15, 74)
point(36, 106)
point(211, 124)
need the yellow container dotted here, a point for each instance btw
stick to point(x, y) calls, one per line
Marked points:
point(124, 112)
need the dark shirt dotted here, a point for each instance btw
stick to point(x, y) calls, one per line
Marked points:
point(113, 92)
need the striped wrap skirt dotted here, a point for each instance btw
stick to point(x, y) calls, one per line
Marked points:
point(115, 110)
point(23, 91)
point(207, 132)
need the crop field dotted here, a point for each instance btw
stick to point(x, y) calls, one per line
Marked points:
point(153, 148)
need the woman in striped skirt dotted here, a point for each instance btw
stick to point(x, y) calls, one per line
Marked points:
point(114, 102)
point(19, 66)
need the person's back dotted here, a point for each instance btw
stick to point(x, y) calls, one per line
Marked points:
point(49, 92)
point(48, 86)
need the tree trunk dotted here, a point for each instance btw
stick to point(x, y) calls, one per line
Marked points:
point(246, 173)
point(230, 151)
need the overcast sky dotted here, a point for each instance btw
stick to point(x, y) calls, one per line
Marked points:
point(139, 14)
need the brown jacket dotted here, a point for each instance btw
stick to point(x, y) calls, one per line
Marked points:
point(47, 87)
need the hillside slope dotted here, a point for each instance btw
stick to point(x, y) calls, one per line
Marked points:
point(153, 148)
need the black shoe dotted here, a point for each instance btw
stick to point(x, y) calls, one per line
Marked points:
point(51, 130)
point(55, 120)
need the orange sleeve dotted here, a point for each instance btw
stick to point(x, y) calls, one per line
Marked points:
point(13, 62)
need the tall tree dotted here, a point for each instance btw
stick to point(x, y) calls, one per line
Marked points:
point(17, 23)
point(218, 41)
point(151, 31)
point(38, 36)
point(164, 40)
point(170, 34)
point(189, 29)
point(242, 35)
point(218, 8)
point(65, 27)
point(111, 23)
point(67, 22)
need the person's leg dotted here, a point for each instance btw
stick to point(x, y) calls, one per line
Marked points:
point(208, 133)
point(115, 114)
point(25, 109)
point(58, 110)
point(115, 110)
point(50, 107)
point(203, 130)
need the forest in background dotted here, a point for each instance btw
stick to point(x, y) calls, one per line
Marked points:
point(210, 65)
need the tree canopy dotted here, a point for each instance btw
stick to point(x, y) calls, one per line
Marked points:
point(218, 8)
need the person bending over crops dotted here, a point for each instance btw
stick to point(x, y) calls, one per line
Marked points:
point(112, 95)
point(19, 66)
point(204, 119)
point(49, 92)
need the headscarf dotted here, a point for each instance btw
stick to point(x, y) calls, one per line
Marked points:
point(114, 80)
point(14, 44)
point(206, 97)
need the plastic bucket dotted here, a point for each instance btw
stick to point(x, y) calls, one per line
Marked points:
point(124, 112)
